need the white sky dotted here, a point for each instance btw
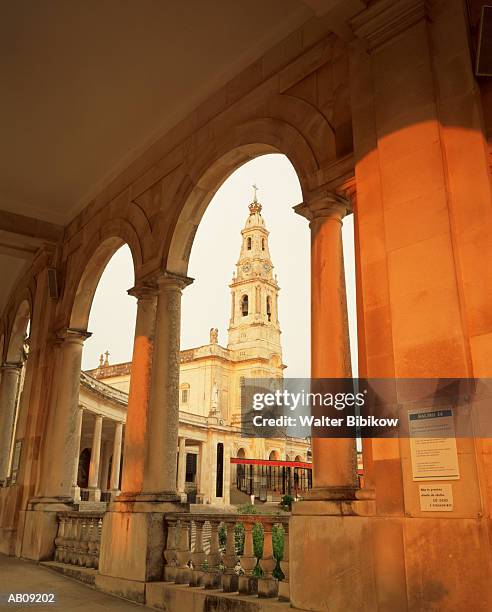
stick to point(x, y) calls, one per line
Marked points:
point(206, 303)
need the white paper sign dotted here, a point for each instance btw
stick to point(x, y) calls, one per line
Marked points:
point(433, 445)
point(436, 498)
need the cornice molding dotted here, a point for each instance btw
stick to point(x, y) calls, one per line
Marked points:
point(385, 19)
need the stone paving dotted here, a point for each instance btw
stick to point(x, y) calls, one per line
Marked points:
point(19, 576)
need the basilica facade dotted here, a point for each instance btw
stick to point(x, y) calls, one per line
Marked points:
point(209, 395)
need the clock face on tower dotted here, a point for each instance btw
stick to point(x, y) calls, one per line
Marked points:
point(266, 267)
point(246, 268)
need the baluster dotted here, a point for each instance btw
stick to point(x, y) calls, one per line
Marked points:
point(73, 541)
point(67, 543)
point(59, 540)
point(213, 574)
point(91, 544)
point(183, 552)
point(77, 560)
point(198, 555)
point(230, 578)
point(170, 568)
point(248, 584)
point(97, 542)
point(283, 585)
point(83, 542)
point(267, 585)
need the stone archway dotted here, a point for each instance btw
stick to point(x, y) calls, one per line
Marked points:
point(60, 478)
point(193, 195)
point(90, 269)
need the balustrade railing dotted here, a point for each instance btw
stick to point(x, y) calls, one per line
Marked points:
point(78, 539)
point(247, 553)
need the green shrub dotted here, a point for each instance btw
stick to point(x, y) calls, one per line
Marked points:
point(287, 501)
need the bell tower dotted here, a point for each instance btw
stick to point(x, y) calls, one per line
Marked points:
point(254, 328)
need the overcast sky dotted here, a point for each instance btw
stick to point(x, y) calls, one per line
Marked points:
point(206, 303)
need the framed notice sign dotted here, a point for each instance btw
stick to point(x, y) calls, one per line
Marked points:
point(433, 445)
point(436, 497)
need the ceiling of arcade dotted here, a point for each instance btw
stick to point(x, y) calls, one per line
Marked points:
point(98, 100)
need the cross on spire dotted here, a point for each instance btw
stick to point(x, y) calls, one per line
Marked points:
point(255, 189)
point(255, 206)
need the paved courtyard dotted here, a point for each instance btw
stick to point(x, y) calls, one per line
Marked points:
point(19, 576)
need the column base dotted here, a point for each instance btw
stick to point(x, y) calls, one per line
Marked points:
point(41, 527)
point(133, 536)
point(390, 563)
point(332, 493)
point(248, 585)
point(94, 495)
point(149, 496)
point(230, 583)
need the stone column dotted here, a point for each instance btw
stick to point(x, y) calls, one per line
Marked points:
point(59, 453)
point(94, 490)
point(115, 464)
point(227, 473)
point(163, 411)
point(182, 468)
point(139, 393)
point(149, 488)
point(203, 482)
point(334, 460)
point(78, 432)
point(9, 386)
point(104, 465)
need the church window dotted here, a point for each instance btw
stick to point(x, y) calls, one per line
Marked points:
point(184, 396)
point(269, 308)
point(249, 243)
point(262, 244)
point(244, 305)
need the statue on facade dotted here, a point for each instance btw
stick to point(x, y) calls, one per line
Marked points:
point(214, 335)
point(215, 411)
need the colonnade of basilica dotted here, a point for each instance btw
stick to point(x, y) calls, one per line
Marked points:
point(380, 116)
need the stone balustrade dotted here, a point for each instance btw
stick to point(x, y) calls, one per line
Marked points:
point(247, 553)
point(78, 538)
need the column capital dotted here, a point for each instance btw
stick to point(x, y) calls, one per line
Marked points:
point(143, 291)
point(385, 19)
point(171, 281)
point(12, 366)
point(72, 335)
point(150, 286)
point(329, 204)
